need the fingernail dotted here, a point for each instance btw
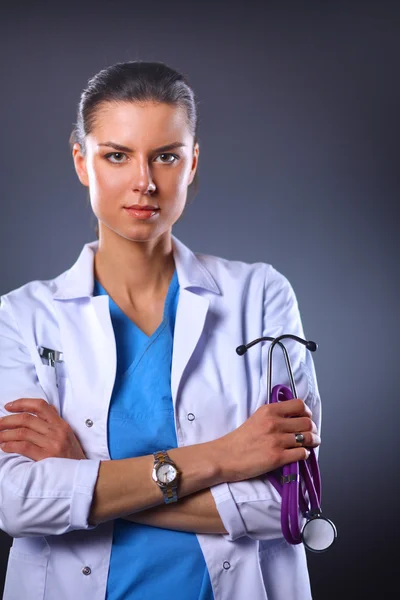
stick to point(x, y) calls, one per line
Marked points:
point(9, 404)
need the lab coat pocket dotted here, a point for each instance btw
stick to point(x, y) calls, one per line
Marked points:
point(55, 384)
point(47, 379)
point(64, 389)
point(25, 577)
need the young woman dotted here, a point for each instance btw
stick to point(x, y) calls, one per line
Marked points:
point(134, 455)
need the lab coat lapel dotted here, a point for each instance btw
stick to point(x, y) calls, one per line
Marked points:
point(189, 324)
point(192, 309)
point(88, 344)
point(87, 337)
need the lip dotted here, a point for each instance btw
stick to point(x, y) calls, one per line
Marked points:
point(144, 207)
point(142, 212)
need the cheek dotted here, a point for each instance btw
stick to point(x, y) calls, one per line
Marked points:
point(104, 181)
point(178, 178)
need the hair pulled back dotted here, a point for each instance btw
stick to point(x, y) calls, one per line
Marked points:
point(135, 81)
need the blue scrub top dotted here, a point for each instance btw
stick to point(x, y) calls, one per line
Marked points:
point(148, 563)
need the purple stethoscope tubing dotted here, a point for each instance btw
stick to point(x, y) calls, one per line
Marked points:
point(288, 484)
point(298, 478)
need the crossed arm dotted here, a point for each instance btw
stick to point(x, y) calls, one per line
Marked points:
point(196, 513)
point(262, 443)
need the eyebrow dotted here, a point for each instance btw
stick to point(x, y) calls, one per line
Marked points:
point(121, 148)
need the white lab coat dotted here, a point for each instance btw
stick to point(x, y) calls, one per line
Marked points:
point(44, 505)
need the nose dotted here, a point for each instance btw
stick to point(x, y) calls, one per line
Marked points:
point(142, 180)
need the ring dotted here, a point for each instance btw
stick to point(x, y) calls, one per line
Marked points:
point(299, 438)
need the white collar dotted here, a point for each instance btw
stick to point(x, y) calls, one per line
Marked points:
point(78, 281)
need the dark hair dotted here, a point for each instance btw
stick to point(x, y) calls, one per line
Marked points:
point(135, 81)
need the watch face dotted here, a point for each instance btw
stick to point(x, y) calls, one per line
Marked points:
point(166, 473)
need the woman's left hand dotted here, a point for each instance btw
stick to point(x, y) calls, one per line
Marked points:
point(37, 437)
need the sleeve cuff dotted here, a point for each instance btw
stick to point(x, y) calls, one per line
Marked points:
point(228, 511)
point(85, 481)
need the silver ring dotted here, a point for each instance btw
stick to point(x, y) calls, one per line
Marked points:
point(299, 438)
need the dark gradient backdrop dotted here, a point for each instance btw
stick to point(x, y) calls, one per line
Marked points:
point(298, 167)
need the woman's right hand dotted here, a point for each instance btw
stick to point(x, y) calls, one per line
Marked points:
point(267, 440)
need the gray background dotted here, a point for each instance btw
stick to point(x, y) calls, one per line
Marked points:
point(298, 167)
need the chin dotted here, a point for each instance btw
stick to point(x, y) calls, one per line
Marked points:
point(141, 232)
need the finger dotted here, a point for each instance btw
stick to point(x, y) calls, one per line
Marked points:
point(25, 449)
point(292, 408)
point(296, 424)
point(311, 440)
point(24, 435)
point(37, 406)
point(25, 419)
point(294, 455)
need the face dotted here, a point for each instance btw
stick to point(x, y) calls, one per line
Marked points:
point(137, 155)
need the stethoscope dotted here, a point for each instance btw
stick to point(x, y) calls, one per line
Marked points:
point(296, 480)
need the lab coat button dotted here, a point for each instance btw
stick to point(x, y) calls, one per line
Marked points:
point(88, 423)
point(191, 417)
point(226, 565)
point(86, 570)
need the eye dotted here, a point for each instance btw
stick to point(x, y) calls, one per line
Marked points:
point(169, 156)
point(116, 157)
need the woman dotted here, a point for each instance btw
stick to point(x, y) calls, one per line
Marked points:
point(133, 464)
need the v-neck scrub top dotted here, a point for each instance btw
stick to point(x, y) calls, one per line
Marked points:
point(148, 563)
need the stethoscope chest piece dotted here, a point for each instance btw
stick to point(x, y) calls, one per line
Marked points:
point(318, 534)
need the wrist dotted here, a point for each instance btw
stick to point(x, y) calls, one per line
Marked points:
point(200, 466)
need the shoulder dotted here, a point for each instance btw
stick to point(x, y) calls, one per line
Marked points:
point(76, 281)
point(33, 294)
point(243, 273)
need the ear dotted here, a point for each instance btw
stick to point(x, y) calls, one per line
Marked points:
point(80, 164)
point(195, 162)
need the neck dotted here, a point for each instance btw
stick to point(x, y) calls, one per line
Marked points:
point(128, 269)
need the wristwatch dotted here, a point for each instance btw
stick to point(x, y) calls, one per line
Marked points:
point(166, 475)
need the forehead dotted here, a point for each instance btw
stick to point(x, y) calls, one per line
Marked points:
point(135, 123)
